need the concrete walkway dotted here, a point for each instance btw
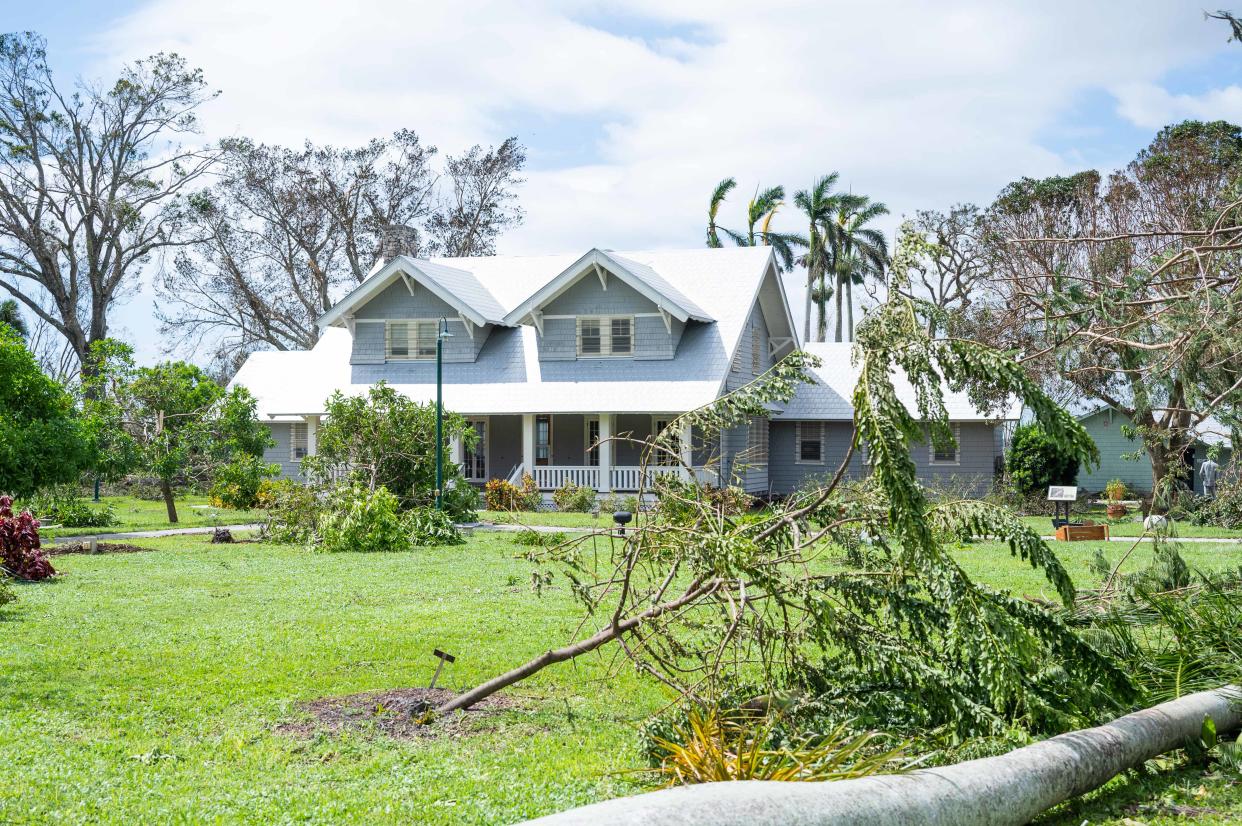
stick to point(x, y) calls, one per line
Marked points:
point(116, 537)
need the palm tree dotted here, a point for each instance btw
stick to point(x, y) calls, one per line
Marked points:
point(718, 196)
point(10, 315)
point(760, 211)
point(857, 251)
point(818, 204)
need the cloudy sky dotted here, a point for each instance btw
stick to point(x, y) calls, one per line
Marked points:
point(632, 111)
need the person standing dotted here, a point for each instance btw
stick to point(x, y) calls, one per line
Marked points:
point(1209, 472)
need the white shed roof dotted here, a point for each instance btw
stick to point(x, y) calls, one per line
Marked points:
point(830, 396)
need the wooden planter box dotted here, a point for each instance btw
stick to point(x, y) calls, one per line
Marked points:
point(1082, 533)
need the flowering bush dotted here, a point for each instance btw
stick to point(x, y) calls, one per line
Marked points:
point(503, 495)
point(237, 483)
point(19, 544)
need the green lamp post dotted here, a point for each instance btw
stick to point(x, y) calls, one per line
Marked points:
point(441, 334)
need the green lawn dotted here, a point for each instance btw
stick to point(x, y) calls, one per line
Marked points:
point(135, 514)
point(150, 687)
point(1133, 526)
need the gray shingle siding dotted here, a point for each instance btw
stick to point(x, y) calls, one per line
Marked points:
point(280, 452)
point(559, 342)
point(973, 474)
point(754, 478)
point(395, 303)
point(500, 360)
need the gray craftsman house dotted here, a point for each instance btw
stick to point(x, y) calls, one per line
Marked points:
point(563, 364)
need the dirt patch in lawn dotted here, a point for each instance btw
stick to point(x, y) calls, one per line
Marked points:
point(85, 548)
point(402, 713)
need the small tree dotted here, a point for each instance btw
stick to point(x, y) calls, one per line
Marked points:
point(387, 440)
point(42, 441)
point(1036, 461)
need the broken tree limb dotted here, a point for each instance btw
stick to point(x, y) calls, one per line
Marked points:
point(608, 633)
point(994, 791)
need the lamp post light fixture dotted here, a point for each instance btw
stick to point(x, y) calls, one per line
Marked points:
point(441, 334)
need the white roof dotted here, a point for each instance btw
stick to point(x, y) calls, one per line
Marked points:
point(829, 396)
point(455, 286)
point(508, 377)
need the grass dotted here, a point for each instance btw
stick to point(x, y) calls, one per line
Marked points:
point(1133, 526)
point(135, 514)
point(150, 687)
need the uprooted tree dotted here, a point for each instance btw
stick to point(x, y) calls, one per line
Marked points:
point(702, 598)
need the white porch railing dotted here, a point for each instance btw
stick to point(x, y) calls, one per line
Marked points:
point(622, 477)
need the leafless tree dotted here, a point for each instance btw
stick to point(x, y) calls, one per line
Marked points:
point(953, 277)
point(91, 182)
point(287, 232)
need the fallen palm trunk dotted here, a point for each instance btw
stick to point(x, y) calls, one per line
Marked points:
point(994, 791)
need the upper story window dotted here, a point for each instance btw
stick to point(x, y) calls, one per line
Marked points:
point(946, 453)
point(410, 339)
point(605, 335)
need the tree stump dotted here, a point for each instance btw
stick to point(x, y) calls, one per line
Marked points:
point(221, 535)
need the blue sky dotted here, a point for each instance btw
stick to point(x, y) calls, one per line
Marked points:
point(632, 111)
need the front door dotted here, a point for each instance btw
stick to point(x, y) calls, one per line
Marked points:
point(543, 440)
point(474, 459)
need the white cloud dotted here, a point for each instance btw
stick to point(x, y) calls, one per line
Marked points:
point(916, 104)
point(1152, 106)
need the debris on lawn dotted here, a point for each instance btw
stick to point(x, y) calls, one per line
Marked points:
point(404, 713)
point(100, 548)
point(221, 535)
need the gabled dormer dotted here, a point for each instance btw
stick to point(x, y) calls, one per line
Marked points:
point(605, 306)
point(393, 315)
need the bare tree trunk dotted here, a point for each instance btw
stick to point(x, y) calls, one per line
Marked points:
point(166, 489)
point(810, 287)
point(995, 791)
point(849, 299)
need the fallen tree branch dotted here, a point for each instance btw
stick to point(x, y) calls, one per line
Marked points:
point(994, 791)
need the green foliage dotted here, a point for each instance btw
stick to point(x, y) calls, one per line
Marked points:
point(292, 510)
point(612, 503)
point(10, 315)
point(1036, 461)
point(237, 482)
point(503, 495)
point(1223, 510)
point(573, 498)
point(42, 441)
point(61, 505)
point(532, 538)
point(359, 520)
point(387, 440)
point(430, 527)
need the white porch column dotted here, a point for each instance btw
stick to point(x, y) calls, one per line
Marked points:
point(687, 445)
point(312, 435)
point(456, 450)
point(528, 442)
point(605, 452)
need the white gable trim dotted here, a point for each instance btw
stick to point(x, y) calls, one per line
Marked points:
point(599, 262)
point(404, 268)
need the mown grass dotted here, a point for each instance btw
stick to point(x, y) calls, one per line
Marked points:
point(1133, 526)
point(151, 687)
point(134, 514)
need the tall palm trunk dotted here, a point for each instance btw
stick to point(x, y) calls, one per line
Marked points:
point(806, 321)
point(849, 308)
point(839, 291)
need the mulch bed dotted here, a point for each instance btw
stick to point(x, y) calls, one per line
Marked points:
point(396, 713)
point(85, 548)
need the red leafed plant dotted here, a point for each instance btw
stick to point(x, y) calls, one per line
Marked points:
point(20, 554)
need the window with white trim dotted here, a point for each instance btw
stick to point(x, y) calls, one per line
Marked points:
point(757, 441)
point(664, 455)
point(297, 441)
point(946, 453)
point(809, 443)
point(600, 336)
point(410, 339)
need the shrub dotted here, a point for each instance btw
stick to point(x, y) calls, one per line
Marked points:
point(236, 483)
point(574, 498)
point(1035, 461)
point(359, 520)
point(1115, 490)
point(533, 538)
point(429, 526)
point(460, 501)
point(1223, 511)
point(503, 495)
point(616, 502)
point(20, 553)
point(292, 510)
point(679, 500)
point(62, 506)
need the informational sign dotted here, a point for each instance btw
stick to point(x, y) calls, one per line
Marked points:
point(1062, 493)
